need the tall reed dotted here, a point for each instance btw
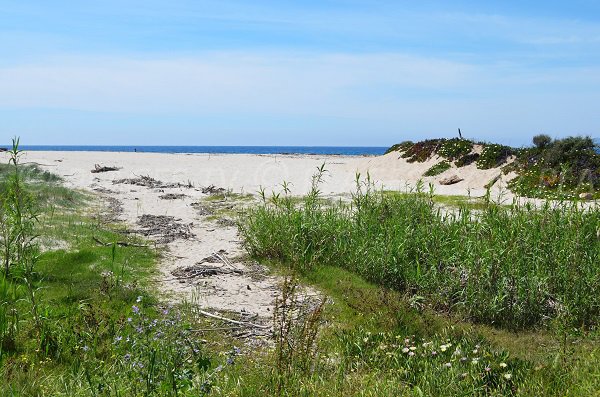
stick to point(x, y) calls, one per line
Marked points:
point(516, 267)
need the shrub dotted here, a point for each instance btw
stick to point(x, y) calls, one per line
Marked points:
point(541, 141)
point(400, 147)
point(422, 151)
point(493, 155)
point(516, 267)
point(437, 168)
point(561, 169)
point(467, 159)
point(453, 149)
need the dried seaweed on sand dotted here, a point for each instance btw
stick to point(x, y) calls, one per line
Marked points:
point(163, 228)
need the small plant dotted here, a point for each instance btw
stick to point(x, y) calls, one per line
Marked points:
point(19, 217)
point(296, 324)
point(438, 168)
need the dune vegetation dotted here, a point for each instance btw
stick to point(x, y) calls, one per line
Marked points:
point(498, 274)
point(557, 169)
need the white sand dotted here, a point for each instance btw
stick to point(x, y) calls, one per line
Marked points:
point(247, 173)
point(243, 174)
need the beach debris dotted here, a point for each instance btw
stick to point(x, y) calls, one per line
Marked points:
point(104, 168)
point(188, 272)
point(164, 228)
point(203, 209)
point(586, 196)
point(172, 196)
point(212, 189)
point(451, 180)
point(226, 222)
point(198, 270)
point(103, 190)
point(216, 257)
point(149, 182)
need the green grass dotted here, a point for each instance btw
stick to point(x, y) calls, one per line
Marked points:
point(516, 267)
point(104, 330)
point(368, 332)
point(398, 269)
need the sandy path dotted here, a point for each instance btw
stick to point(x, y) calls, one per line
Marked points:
point(244, 288)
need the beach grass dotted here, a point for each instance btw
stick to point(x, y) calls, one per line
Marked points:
point(516, 266)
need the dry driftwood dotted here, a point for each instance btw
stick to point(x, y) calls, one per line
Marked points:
point(212, 189)
point(149, 182)
point(451, 180)
point(104, 168)
point(189, 272)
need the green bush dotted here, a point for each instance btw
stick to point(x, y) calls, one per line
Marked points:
point(467, 160)
point(560, 169)
point(422, 151)
point(541, 141)
point(493, 155)
point(400, 147)
point(437, 168)
point(453, 149)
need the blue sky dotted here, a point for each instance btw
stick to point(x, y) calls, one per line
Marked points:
point(353, 73)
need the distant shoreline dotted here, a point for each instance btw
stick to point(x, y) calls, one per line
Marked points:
point(280, 150)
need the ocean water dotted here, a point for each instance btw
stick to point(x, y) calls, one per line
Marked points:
point(337, 150)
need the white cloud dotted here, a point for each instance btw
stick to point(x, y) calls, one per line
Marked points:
point(221, 82)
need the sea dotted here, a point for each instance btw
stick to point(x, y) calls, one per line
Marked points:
point(316, 150)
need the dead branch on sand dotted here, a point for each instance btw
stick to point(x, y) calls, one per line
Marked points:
point(104, 168)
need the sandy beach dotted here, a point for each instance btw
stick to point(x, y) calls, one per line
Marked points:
point(244, 173)
point(239, 285)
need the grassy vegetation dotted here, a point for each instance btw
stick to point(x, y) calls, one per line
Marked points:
point(438, 168)
point(523, 277)
point(516, 267)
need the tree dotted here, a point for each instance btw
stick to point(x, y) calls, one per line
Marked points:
point(541, 141)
